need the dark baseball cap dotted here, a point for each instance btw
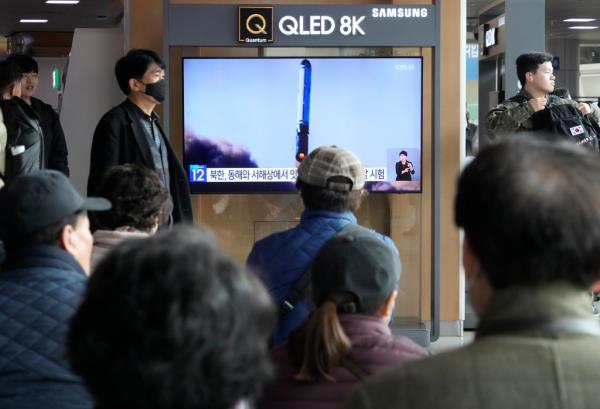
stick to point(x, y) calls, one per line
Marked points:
point(333, 168)
point(359, 263)
point(37, 200)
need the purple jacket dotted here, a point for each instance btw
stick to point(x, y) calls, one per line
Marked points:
point(373, 349)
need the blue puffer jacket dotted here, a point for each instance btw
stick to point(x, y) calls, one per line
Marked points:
point(281, 258)
point(40, 289)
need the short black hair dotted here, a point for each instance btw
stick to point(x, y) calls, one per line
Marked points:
point(530, 62)
point(530, 209)
point(170, 322)
point(320, 198)
point(403, 153)
point(25, 62)
point(134, 65)
point(138, 196)
point(48, 235)
point(10, 73)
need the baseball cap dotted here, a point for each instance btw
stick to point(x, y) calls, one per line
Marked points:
point(37, 200)
point(359, 263)
point(333, 168)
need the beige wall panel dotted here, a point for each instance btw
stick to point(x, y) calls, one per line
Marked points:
point(451, 127)
point(146, 24)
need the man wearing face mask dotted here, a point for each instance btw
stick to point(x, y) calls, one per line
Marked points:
point(131, 133)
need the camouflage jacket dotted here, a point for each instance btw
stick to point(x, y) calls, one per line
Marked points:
point(513, 116)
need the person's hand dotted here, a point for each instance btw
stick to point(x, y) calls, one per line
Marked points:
point(405, 170)
point(584, 108)
point(410, 167)
point(538, 103)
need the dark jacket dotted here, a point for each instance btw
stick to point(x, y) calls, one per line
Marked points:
point(373, 349)
point(119, 139)
point(281, 258)
point(40, 289)
point(55, 146)
point(514, 362)
point(25, 140)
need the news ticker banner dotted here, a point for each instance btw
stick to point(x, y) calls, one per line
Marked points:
point(204, 174)
point(302, 25)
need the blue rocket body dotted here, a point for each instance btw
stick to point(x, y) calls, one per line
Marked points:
point(303, 109)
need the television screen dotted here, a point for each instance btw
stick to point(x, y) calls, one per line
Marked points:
point(249, 122)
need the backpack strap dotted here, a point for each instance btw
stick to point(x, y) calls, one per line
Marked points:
point(296, 294)
point(299, 289)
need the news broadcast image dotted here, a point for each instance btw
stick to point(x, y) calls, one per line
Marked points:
point(250, 121)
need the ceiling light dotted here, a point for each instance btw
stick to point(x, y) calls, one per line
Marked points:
point(33, 20)
point(579, 20)
point(62, 1)
point(583, 28)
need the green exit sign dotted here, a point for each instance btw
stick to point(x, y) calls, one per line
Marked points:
point(56, 79)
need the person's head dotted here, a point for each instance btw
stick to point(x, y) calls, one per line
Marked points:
point(10, 79)
point(331, 178)
point(43, 208)
point(141, 73)
point(535, 72)
point(562, 93)
point(403, 155)
point(29, 67)
point(530, 210)
point(354, 272)
point(138, 196)
point(171, 322)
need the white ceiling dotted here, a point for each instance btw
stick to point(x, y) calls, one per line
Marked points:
point(556, 12)
point(103, 13)
point(88, 13)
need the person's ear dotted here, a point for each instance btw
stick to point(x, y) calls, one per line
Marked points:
point(135, 85)
point(65, 240)
point(386, 309)
point(470, 260)
point(529, 76)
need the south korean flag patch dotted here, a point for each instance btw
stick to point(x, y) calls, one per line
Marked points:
point(577, 130)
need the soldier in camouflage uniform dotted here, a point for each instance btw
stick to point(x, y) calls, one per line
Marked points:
point(537, 79)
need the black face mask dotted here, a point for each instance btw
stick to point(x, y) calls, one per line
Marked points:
point(157, 90)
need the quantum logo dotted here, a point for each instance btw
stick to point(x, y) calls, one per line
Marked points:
point(255, 24)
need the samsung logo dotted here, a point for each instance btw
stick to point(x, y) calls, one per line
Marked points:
point(399, 12)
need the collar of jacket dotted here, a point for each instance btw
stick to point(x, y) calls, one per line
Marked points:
point(41, 255)
point(359, 324)
point(136, 110)
point(318, 213)
point(524, 307)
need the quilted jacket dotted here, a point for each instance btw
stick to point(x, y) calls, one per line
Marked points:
point(374, 348)
point(281, 258)
point(40, 289)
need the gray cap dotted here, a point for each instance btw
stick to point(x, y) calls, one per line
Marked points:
point(37, 200)
point(359, 263)
point(333, 168)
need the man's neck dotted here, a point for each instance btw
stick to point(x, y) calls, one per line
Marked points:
point(535, 93)
point(146, 106)
point(26, 99)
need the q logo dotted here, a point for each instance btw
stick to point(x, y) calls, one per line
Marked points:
point(255, 24)
point(259, 22)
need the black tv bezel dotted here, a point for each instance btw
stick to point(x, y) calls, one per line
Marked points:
point(284, 187)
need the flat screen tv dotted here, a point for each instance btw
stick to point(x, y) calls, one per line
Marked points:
point(249, 122)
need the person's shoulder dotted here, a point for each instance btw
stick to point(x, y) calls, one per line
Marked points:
point(115, 114)
point(38, 104)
